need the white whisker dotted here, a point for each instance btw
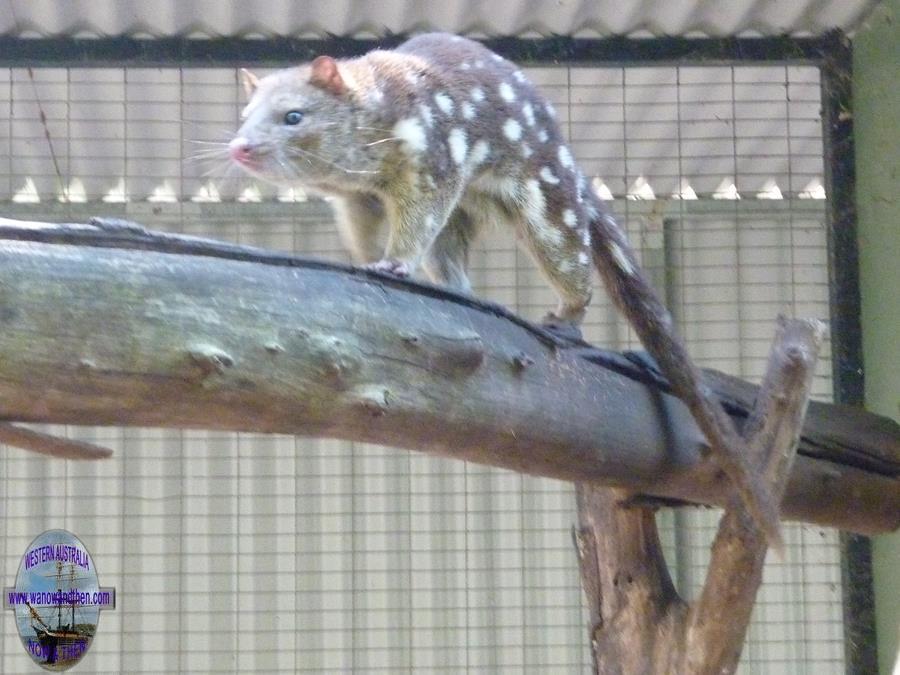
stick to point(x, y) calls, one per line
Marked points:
point(221, 168)
point(290, 171)
point(222, 152)
point(220, 144)
point(383, 140)
point(208, 156)
point(300, 152)
point(384, 131)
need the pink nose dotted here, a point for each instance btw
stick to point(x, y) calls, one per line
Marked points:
point(240, 150)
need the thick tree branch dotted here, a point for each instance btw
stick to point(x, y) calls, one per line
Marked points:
point(93, 331)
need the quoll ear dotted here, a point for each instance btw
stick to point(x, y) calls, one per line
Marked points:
point(325, 75)
point(250, 82)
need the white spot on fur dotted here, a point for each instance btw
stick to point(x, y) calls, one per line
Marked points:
point(526, 150)
point(548, 233)
point(565, 266)
point(569, 218)
point(506, 188)
point(548, 177)
point(429, 181)
point(534, 204)
point(496, 57)
point(458, 145)
point(565, 157)
point(543, 136)
point(479, 152)
point(579, 193)
point(444, 102)
point(519, 76)
point(583, 258)
point(412, 78)
point(427, 115)
point(550, 109)
point(586, 237)
point(506, 92)
point(410, 131)
point(377, 95)
point(466, 66)
point(621, 259)
point(528, 113)
point(478, 94)
point(479, 64)
point(512, 129)
point(468, 110)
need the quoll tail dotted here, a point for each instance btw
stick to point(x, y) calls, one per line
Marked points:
point(635, 297)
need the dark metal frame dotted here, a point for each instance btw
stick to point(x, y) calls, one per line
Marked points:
point(232, 51)
point(846, 329)
point(831, 52)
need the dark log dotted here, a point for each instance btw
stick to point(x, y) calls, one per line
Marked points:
point(98, 328)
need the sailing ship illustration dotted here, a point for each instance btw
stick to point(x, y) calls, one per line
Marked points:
point(63, 643)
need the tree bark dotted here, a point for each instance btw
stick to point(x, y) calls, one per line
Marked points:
point(637, 620)
point(639, 625)
point(247, 340)
point(718, 620)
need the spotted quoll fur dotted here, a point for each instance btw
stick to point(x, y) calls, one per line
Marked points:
point(438, 138)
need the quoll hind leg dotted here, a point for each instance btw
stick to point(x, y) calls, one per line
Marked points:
point(447, 259)
point(560, 255)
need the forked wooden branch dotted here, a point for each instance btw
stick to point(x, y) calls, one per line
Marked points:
point(639, 625)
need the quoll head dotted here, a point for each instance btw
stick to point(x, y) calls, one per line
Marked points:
point(299, 126)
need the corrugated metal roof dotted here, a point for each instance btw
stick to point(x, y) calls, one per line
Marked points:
point(155, 133)
point(317, 18)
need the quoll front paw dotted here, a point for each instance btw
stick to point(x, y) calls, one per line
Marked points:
point(568, 330)
point(398, 268)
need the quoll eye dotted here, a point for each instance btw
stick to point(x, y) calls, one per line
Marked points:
point(293, 117)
